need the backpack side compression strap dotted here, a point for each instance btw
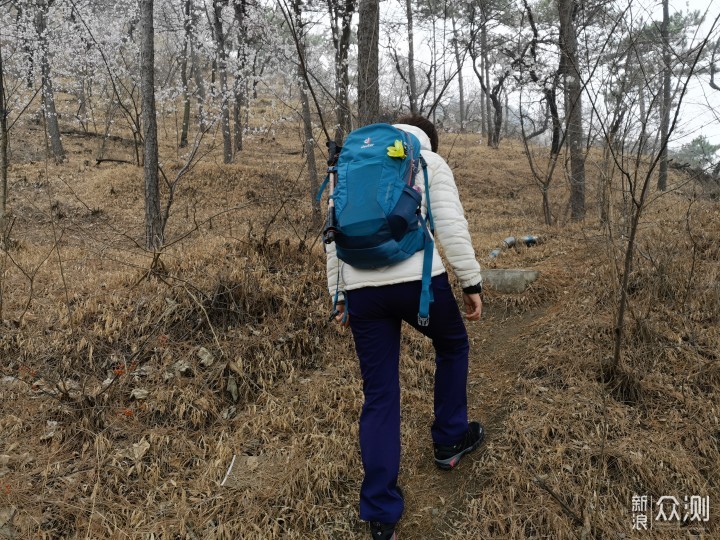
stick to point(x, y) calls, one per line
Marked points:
point(324, 184)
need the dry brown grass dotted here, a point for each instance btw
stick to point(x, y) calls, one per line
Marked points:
point(127, 393)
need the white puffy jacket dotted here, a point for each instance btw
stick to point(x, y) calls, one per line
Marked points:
point(451, 230)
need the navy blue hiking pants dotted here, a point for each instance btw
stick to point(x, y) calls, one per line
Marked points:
point(376, 314)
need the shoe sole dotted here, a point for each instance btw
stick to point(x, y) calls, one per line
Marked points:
point(451, 462)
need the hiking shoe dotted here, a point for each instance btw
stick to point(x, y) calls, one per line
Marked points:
point(385, 531)
point(382, 531)
point(447, 457)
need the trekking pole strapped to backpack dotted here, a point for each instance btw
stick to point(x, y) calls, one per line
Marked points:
point(330, 222)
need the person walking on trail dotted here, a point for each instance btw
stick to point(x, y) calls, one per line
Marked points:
point(377, 301)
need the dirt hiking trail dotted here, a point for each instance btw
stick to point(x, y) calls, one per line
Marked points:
point(434, 497)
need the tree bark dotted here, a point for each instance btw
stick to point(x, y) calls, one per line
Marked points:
point(412, 82)
point(237, 118)
point(307, 118)
point(666, 102)
point(27, 50)
point(84, 85)
point(3, 152)
point(187, 23)
point(48, 95)
point(494, 137)
point(434, 69)
point(573, 106)
point(82, 112)
point(200, 85)
point(461, 86)
point(713, 67)
point(154, 237)
point(341, 12)
point(507, 116)
point(345, 116)
point(368, 62)
point(240, 7)
point(483, 100)
point(547, 209)
point(219, 34)
point(486, 74)
point(310, 153)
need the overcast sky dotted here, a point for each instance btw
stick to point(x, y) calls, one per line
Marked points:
point(701, 110)
point(700, 113)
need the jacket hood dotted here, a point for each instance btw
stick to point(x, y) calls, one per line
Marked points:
point(419, 133)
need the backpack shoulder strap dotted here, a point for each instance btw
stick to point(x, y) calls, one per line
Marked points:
point(426, 294)
point(430, 220)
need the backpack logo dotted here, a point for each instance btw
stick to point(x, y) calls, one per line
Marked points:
point(368, 143)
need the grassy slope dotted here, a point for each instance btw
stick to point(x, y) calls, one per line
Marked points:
point(85, 453)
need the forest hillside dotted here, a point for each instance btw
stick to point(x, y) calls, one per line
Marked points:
point(131, 379)
point(168, 368)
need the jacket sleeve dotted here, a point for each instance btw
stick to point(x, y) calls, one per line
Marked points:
point(334, 272)
point(451, 227)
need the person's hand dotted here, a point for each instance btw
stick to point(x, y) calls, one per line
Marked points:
point(473, 306)
point(340, 309)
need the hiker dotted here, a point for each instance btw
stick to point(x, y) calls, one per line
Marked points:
point(377, 302)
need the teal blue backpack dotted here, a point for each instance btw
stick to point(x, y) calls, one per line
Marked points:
point(377, 218)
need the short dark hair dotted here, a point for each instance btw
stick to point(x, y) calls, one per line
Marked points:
point(423, 123)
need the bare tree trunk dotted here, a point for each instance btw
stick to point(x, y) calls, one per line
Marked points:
point(434, 68)
point(341, 39)
point(240, 7)
point(492, 95)
point(258, 68)
point(48, 95)
point(666, 102)
point(237, 118)
point(605, 180)
point(551, 96)
point(310, 153)
point(26, 47)
point(3, 153)
point(610, 367)
point(368, 62)
point(200, 85)
point(713, 65)
point(548, 86)
point(507, 116)
point(607, 174)
point(461, 86)
point(494, 137)
point(412, 82)
point(82, 113)
point(483, 100)
point(547, 210)
point(643, 114)
point(307, 118)
point(573, 103)
point(486, 74)
point(82, 90)
point(219, 34)
point(154, 237)
point(184, 73)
